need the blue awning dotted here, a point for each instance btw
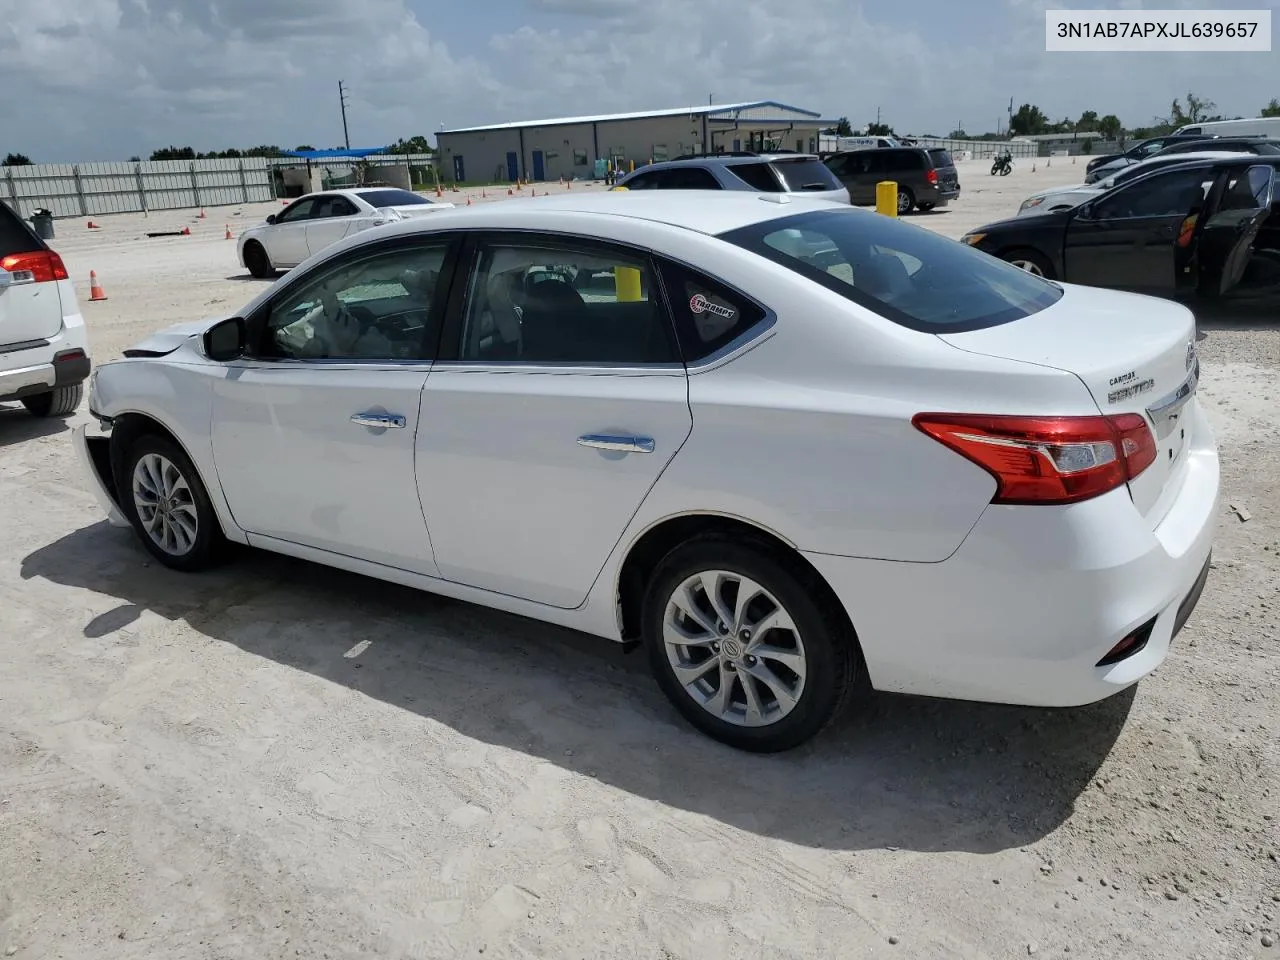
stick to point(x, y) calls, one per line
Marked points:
point(353, 153)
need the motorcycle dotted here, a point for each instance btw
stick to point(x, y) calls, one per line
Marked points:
point(1003, 165)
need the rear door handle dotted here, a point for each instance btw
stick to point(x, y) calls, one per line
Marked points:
point(384, 421)
point(599, 441)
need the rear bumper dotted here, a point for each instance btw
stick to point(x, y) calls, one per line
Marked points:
point(95, 463)
point(62, 361)
point(1036, 596)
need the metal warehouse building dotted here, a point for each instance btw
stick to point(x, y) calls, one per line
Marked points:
point(571, 146)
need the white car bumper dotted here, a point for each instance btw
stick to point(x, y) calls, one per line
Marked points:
point(92, 454)
point(1036, 596)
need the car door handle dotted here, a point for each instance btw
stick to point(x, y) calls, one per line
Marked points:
point(383, 421)
point(598, 441)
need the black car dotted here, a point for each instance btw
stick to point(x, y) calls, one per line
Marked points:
point(1141, 151)
point(1190, 229)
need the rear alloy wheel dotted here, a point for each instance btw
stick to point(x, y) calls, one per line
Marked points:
point(169, 506)
point(745, 649)
point(1030, 261)
point(257, 261)
point(58, 402)
point(906, 200)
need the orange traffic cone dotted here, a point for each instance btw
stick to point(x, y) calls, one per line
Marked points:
point(482, 193)
point(186, 231)
point(468, 201)
point(439, 192)
point(201, 217)
point(229, 236)
point(95, 289)
point(510, 192)
point(93, 226)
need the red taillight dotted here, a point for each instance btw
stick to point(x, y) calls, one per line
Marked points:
point(39, 266)
point(931, 176)
point(1047, 459)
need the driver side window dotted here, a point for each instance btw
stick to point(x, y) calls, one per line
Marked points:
point(301, 210)
point(1176, 193)
point(382, 305)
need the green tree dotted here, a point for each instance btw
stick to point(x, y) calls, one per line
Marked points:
point(416, 144)
point(173, 153)
point(1086, 147)
point(304, 148)
point(1196, 110)
point(17, 160)
point(1272, 109)
point(1109, 126)
point(957, 134)
point(843, 128)
point(879, 130)
point(1029, 120)
point(1088, 122)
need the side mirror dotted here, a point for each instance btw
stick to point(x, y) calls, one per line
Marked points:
point(225, 340)
point(271, 218)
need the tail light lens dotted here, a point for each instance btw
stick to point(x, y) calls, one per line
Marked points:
point(1048, 459)
point(38, 266)
point(931, 176)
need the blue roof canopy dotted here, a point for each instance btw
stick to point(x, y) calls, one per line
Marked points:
point(354, 152)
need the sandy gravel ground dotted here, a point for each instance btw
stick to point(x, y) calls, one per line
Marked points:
point(279, 760)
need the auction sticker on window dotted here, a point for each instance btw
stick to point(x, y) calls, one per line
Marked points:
point(712, 315)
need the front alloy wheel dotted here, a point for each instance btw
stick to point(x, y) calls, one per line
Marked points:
point(750, 652)
point(165, 505)
point(168, 505)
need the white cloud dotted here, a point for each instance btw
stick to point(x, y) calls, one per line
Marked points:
point(103, 79)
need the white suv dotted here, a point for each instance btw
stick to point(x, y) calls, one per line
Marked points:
point(44, 352)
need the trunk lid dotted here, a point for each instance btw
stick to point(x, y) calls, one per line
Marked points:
point(412, 210)
point(1135, 354)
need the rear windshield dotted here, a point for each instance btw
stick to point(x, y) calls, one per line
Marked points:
point(941, 158)
point(905, 273)
point(391, 198)
point(806, 174)
point(14, 235)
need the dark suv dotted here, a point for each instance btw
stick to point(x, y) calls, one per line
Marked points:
point(926, 176)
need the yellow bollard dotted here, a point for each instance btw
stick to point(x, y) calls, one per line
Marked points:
point(633, 166)
point(627, 283)
point(887, 198)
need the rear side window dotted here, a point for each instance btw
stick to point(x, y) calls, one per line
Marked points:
point(709, 316)
point(14, 235)
point(912, 277)
point(941, 158)
point(802, 175)
point(758, 176)
point(688, 178)
point(391, 198)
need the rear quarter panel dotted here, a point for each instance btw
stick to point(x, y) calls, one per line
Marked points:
point(808, 433)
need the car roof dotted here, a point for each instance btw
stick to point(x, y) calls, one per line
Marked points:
point(727, 160)
point(702, 211)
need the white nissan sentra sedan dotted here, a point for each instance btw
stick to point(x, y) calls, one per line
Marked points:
point(798, 451)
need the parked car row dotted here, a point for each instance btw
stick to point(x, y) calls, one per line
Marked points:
point(1201, 227)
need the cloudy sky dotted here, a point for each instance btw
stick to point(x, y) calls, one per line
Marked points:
point(105, 79)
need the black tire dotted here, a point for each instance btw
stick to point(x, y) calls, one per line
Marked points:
point(832, 658)
point(1028, 255)
point(926, 207)
point(207, 547)
point(257, 261)
point(58, 402)
point(906, 200)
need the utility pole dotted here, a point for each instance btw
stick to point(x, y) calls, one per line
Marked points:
point(877, 117)
point(1009, 128)
point(342, 101)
